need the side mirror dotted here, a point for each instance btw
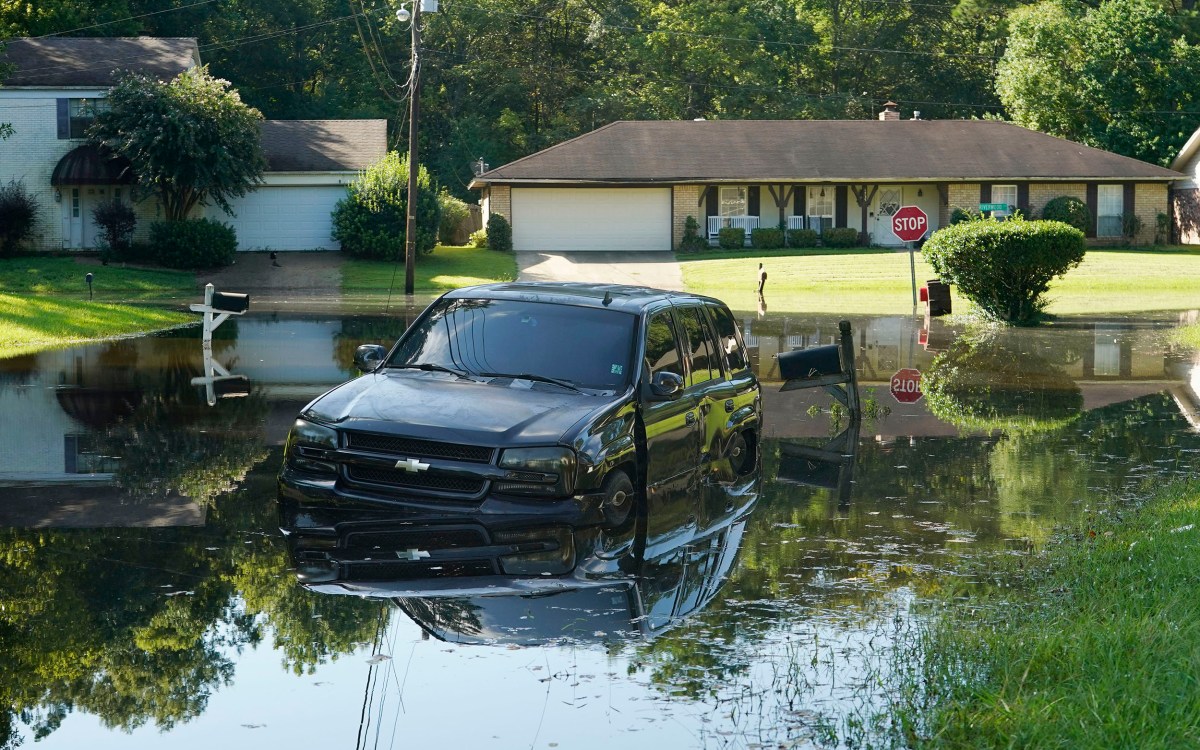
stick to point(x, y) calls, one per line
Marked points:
point(368, 357)
point(666, 385)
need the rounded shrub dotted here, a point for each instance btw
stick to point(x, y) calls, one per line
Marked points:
point(1004, 267)
point(802, 237)
point(193, 243)
point(18, 216)
point(731, 238)
point(479, 238)
point(840, 237)
point(117, 221)
point(499, 233)
point(959, 214)
point(692, 242)
point(372, 220)
point(766, 238)
point(455, 211)
point(1069, 210)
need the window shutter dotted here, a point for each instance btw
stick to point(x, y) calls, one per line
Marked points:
point(839, 209)
point(1128, 206)
point(753, 205)
point(64, 119)
point(710, 202)
point(1093, 204)
point(1023, 199)
point(799, 197)
point(985, 193)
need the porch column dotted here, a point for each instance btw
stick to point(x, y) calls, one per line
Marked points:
point(863, 198)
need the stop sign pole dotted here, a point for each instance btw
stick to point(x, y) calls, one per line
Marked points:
point(910, 224)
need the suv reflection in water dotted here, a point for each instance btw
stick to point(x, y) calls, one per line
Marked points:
point(527, 403)
point(465, 583)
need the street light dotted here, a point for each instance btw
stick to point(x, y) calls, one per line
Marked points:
point(414, 93)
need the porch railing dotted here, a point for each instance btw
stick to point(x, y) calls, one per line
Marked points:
point(795, 222)
point(745, 223)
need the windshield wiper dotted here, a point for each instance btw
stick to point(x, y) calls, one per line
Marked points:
point(431, 367)
point(531, 376)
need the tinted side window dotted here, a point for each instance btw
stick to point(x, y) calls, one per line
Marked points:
point(705, 366)
point(661, 353)
point(731, 342)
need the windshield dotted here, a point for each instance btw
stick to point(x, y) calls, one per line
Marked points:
point(584, 346)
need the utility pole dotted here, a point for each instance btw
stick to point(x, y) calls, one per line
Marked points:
point(414, 108)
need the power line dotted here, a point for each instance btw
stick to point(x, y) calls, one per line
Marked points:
point(143, 15)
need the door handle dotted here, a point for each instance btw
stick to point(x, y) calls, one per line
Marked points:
point(729, 406)
point(690, 417)
point(705, 407)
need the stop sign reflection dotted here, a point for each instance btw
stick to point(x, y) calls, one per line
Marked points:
point(909, 223)
point(906, 386)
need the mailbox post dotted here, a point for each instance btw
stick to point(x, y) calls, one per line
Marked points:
point(216, 309)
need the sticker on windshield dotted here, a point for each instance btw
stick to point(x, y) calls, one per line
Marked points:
point(618, 370)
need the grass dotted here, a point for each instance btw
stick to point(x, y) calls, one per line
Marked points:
point(1097, 646)
point(31, 324)
point(446, 268)
point(876, 281)
point(65, 276)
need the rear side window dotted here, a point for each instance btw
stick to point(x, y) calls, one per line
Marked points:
point(731, 340)
point(705, 366)
point(661, 353)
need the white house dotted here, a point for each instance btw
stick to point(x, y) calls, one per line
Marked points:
point(58, 84)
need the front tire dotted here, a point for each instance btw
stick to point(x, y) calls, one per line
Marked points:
point(618, 497)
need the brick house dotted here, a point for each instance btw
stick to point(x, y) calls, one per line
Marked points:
point(631, 185)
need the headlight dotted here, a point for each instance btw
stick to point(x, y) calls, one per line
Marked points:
point(310, 447)
point(538, 472)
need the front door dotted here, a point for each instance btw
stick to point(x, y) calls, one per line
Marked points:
point(72, 208)
point(888, 202)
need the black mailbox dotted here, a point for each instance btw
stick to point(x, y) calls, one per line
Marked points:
point(939, 297)
point(810, 363)
point(230, 302)
point(810, 471)
point(228, 388)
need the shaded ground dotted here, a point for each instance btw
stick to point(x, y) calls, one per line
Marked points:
point(316, 274)
point(657, 270)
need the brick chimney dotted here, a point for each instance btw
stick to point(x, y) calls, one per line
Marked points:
point(890, 111)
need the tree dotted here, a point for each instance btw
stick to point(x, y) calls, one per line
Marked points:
point(371, 221)
point(190, 140)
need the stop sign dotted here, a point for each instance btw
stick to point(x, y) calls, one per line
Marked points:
point(906, 385)
point(909, 223)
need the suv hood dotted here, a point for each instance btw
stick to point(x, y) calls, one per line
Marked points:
point(436, 406)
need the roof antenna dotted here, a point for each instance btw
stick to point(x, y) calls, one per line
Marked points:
point(607, 298)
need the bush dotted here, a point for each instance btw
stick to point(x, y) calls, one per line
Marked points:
point(371, 221)
point(802, 237)
point(1162, 228)
point(499, 234)
point(1131, 225)
point(18, 217)
point(959, 215)
point(1005, 267)
point(840, 237)
point(479, 238)
point(118, 222)
point(692, 242)
point(766, 238)
point(454, 213)
point(1069, 210)
point(731, 238)
point(193, 243)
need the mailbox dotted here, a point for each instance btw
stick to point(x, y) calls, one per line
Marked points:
point(231, 387)
point(810, 363)
point(230, 302)
point(938, 297)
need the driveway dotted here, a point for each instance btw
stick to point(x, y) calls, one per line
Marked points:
point(657, 270)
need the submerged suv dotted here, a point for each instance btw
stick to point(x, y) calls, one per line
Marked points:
point(530, 402)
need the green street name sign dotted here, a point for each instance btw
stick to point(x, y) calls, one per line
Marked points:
point(993, 206)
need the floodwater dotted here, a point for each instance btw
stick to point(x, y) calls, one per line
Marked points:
point(148, 597)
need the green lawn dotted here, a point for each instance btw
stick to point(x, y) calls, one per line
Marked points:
point(1093, 644)
point(876, 281)
point(446, 268)
point(30, 324)
point(65, 276)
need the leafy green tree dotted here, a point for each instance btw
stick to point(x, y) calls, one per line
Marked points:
point(1112, 76)
point(191, 140)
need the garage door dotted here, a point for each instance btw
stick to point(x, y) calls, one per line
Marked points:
point(579, 219)
point(285, 218)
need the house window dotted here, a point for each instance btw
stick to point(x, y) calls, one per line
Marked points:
point(1110, 205)
point(82, 112)
point(734, 201)
point(1006, 194)
point(820, 209)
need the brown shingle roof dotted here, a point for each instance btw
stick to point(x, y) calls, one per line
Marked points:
point(323, 145)
point(818, 150)
point(96, 61)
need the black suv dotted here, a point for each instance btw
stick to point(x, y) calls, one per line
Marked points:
point(520, 402)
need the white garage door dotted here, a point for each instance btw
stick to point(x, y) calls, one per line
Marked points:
point(285, 218)
point(578, 219)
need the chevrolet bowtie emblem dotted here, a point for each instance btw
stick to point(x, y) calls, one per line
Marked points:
point(412, 554)
point(411, 464)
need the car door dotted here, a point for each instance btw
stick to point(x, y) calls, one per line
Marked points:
point(672, 429)
point(734, 398)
